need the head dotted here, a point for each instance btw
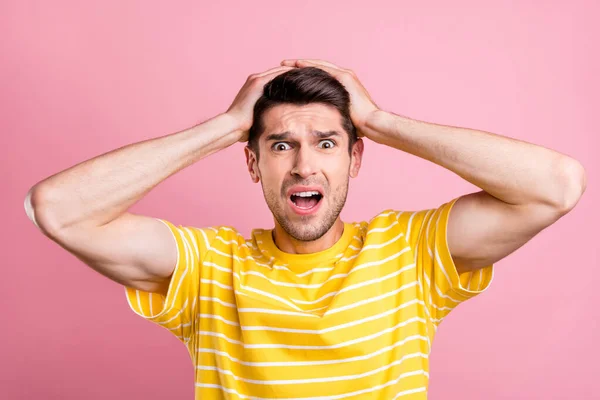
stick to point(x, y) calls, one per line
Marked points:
point(303, 149)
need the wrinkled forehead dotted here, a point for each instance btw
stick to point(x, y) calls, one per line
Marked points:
point(302, 120)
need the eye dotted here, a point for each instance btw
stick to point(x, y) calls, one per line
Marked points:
point(327, 144)
point(281, 146)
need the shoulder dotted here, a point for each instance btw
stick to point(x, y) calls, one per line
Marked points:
point(394, 221)
point(205, 237)
point(379, 226)
point(387, 219)
point(222, 235)
point(412, 223)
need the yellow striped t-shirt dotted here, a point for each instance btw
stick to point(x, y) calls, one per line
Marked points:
point(355, 321)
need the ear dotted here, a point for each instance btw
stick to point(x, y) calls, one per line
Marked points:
point(356, 157)
point(252, 162)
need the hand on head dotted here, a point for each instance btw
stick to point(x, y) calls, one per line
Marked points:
point(362, 105)
point(361, 109)
point(243, 105)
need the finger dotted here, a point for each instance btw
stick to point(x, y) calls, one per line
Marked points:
point(331, 70)
point(314, 61)
point(274, 70)
point(292, 61)
point(323, 62)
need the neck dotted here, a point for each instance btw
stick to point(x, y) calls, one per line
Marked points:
point(288, 244)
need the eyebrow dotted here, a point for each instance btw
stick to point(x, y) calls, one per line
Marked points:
point(286, 135)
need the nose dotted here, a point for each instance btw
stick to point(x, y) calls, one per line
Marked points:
point(303, 163)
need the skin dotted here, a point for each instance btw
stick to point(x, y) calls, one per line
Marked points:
point(525, 188)
point(304, 158)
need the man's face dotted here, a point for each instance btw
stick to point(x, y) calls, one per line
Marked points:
point(304, 167)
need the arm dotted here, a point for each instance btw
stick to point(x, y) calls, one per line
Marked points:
point(525, 187)
point(84, 208)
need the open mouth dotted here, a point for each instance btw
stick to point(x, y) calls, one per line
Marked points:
point(306, 200)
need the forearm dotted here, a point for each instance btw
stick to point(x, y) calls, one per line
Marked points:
point(99, 190)
point(513, 171)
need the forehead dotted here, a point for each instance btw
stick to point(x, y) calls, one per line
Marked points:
point(302, 119)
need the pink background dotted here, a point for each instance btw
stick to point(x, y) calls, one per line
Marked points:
point(78, 80)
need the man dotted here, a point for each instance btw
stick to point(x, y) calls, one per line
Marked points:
point(315, 307)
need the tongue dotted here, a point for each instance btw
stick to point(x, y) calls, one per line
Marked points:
point(306, 202)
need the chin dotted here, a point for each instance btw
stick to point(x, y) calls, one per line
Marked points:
point(306, 228)
point(305, 235)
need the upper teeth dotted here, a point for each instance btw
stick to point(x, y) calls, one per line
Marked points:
point(305, 194)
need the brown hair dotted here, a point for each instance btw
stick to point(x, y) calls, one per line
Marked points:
point(301, 86)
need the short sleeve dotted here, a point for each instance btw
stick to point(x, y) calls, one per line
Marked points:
point(176, 311)
point(443, 287)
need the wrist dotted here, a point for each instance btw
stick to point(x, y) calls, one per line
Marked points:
point(232, 125)
point(376, 124)
point(230, 120)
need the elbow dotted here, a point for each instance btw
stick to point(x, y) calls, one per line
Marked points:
point(36, 201)
point(29, 209)
point(573, 184)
